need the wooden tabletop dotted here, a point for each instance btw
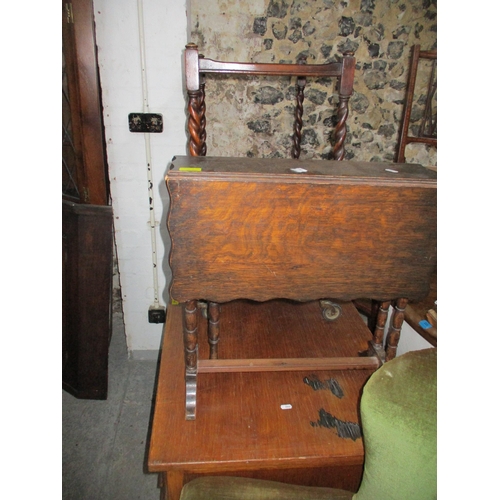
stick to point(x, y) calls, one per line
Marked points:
point(240, 423)
point(212, 167)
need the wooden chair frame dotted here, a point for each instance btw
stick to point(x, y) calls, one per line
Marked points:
point(421, 138)
point(197, 66)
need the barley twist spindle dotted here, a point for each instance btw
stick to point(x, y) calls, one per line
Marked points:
point(340, 129)
point(297, 124)
point(203, 120)
point(194, 124)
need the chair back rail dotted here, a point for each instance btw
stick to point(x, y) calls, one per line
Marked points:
point(197, 66)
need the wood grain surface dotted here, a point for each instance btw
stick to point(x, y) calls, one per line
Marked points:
point(240, 424)
point(239, 231)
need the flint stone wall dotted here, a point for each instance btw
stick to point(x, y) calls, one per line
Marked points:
point(254, 116)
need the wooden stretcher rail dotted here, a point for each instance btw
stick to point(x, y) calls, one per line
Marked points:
point(428, 54)
point(422, 140)
point(286, 364)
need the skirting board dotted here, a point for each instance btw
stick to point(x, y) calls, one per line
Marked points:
point(144, 355)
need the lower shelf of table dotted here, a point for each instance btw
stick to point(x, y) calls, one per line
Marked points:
point(260, 420)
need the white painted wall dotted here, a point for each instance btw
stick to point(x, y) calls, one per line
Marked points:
point(117, 33)
point(410, 340)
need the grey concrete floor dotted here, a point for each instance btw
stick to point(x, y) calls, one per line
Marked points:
point(105, 443)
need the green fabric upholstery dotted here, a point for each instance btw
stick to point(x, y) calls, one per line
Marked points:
point(399, 422)
point(241, 488)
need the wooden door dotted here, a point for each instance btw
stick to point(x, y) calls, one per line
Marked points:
point(87, 219)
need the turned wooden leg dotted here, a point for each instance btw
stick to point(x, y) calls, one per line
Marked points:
point(213, 328)
point(376, 345)
point(191, 355)
point(378, 333)
point(397, 317)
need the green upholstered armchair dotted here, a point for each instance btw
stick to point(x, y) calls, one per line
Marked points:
point(399, 422)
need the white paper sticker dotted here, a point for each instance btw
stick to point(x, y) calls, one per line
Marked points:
point(298, 170)
point(286, 407)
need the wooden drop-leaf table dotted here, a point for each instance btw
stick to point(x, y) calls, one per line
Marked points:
point(303, 230)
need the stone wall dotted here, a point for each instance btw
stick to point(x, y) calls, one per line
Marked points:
point(249, 117)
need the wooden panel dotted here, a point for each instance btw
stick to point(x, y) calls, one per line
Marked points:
point(86, 102)
point(87, 271)
point(239, 230)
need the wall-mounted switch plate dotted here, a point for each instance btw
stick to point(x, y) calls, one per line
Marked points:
point(157, 315)
point(145, 122)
